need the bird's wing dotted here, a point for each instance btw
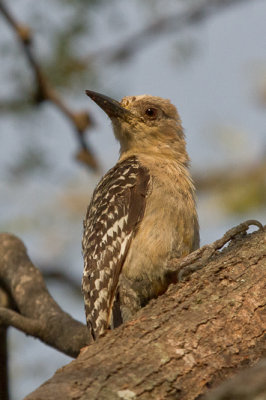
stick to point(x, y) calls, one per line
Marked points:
point(112, 219)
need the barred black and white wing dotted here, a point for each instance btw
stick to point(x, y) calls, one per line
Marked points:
point(112, 219)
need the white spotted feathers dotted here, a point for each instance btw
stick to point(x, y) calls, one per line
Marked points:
point(116, 209)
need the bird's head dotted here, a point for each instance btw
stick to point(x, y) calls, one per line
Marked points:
point(145, 124)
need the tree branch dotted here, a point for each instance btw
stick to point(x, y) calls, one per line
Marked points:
point(80, 120)
point(230, 284)
point(192, 338)
point(36, 312)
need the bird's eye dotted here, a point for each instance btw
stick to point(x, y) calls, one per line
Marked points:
point(151, 112)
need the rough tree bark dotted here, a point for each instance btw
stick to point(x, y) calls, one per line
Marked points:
point(200, 333)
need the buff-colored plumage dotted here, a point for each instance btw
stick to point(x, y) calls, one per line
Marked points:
point(158, 218)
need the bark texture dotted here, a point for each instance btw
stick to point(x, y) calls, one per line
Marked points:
point(198, 334)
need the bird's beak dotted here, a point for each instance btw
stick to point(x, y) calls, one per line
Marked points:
point(110, 106)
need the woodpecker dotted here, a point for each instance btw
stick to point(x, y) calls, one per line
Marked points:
point(142, 212)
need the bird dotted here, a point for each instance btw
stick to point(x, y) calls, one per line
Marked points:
point(142, 212)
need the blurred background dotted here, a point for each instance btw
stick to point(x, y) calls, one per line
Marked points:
point(208, 57)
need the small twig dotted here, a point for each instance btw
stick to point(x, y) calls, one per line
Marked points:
point(80, 120)
point(196, 260)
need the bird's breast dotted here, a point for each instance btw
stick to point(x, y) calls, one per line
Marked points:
point(168, 227)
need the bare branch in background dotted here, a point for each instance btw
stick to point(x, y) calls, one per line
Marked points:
point(80, 120)
point(193, 14)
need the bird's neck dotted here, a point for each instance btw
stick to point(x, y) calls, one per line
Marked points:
point(166, 171)
point(175, 153)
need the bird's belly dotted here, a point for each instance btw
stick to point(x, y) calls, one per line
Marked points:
point(166, 231)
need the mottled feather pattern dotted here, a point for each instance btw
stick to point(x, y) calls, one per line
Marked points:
point(112, 219)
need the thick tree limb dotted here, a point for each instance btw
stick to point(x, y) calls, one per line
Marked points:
point(36, 312)
point(192, 338)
